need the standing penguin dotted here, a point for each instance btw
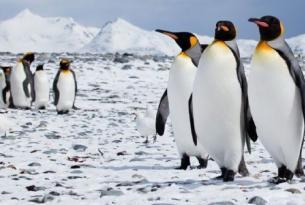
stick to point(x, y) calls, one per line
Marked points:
point(22, 83)
point(5, 97)
point(41, 86)
point(222, 120)
point(64, 88)
point(180, 86)
point(277, 98)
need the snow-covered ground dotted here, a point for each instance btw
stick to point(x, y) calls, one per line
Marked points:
point(95, 156)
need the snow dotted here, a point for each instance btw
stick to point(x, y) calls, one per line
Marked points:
point(122, 36)
point(95, 155)
point(31, 32)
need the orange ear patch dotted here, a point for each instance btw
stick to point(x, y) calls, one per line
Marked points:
point(193, 41)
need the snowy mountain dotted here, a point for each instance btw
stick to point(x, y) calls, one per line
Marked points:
point(122, 36)
point(31, 32)
point(28, 31)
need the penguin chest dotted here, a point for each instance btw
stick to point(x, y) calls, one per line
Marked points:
point(41, 86)
point(180, 86)
point(217, 103)
point(18, 76)
point(66, 88)
point(276, 107)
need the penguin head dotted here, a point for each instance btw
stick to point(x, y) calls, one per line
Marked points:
point(39, 67)
point(185, 40)
point(64, 64)
point(225, 31)
point(29, 57)
point(269, 27)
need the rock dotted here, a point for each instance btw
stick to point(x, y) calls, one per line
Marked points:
point(222, 203)
point(294, 191)
point(35, 188)
point(54, 193)
point(42, 200)
point(53, 136)
point(34, 164)
point(121, 153)
point(126, 67)
point(257, 200)
point(75, 167)
point(111, 193)
point(79, 147)
point(5, 192)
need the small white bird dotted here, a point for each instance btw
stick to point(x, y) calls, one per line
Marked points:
point(5, 125)
point(145, 124)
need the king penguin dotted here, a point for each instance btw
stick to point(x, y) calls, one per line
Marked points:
point(219, 105)
point(41, 86)
point(175, 99)
point(64, 88)
point(277, 98)
point(5, 97)
point(22, 83)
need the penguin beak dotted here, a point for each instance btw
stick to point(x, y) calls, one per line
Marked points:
point(259, 22)
point(168, 33)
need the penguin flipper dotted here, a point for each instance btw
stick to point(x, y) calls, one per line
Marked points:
point(194, 134)
point(55, 89)
point(162, 114)
point(25, 87)
point(249, 124)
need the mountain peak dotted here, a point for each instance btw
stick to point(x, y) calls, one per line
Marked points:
point(25, 13)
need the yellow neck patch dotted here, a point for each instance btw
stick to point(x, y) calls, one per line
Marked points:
point(65, 71)
point(183, 55)
point(263, 47)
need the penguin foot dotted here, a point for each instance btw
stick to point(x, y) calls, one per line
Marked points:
point(299, 172)
point(146, 141)
point(277, 180)
point(203, 163)
point(42, 108)
point(185, 162)
point(155, 138)
point(223, 172)
point(229, 176)
point(242, 168)
point(63, 112)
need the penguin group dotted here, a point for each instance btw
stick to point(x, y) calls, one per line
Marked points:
point(21, 88)
point(216, 111)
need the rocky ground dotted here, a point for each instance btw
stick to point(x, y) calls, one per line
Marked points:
point(95, 156)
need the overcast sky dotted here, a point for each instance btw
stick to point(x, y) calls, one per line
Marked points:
point(197, 16)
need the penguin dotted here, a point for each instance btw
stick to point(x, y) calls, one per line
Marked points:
point(219, 107)
point(5, 97)
point(64, 88)
point(22, 83)
point(41, 87)
point(277, 98)
point(175, 98)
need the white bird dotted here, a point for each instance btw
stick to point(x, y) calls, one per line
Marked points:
point(145, 124)
point(5, 125)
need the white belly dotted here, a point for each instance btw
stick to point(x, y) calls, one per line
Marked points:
point(41, 89)
point(180, 86)
point(217, 106)
point(276, 108)
point(17, 77)
point(66, 87)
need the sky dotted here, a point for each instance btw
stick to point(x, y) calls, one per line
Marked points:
point(198, 16)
